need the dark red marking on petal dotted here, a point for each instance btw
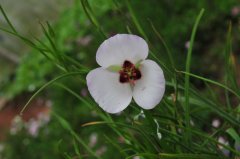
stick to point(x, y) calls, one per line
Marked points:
point(127, 64)
point(129, 73)
point(136, 74)
point(124, 77)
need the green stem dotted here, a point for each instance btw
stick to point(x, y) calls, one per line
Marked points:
point(46, 85)
point(187, 136)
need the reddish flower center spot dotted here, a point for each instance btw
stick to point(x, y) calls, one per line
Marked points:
point(129, 73)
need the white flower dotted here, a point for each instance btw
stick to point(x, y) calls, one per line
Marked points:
point(33, 127)
point(216, 123)
point(125, 74)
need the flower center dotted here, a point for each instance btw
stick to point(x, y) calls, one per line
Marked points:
point(129, 73)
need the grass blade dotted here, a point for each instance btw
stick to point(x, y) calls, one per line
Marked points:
point(135, 20)
point(91, 17)
point(8, 21)
point(188, 64)
point(46, 85)
point(66, 125)
point(212, 82)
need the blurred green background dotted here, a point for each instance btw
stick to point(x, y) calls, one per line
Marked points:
point(23, 70)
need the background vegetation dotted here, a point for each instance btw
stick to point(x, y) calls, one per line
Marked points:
point(180, 127)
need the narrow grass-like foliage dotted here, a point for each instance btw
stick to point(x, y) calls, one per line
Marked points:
point(174, 129)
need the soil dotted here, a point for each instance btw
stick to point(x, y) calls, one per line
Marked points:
point(11, 109)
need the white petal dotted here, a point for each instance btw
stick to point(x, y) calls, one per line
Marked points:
point(121, 47)
point(148, 91)
point(111, 95)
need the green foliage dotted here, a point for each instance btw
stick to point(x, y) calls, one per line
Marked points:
point(30, 75)
point(183, 117)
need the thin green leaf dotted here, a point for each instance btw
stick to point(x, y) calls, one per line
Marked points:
point(188, 64)
point(232, 132)
point(8, 21)
point(46, 85)
point(212, 82)
point(135, 20)
point(66, 126)
point(88, 11)
point(188, 156)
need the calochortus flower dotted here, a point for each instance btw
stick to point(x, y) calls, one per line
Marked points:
point(125, 74)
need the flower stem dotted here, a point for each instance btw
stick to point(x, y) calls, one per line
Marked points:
point(187, 135)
